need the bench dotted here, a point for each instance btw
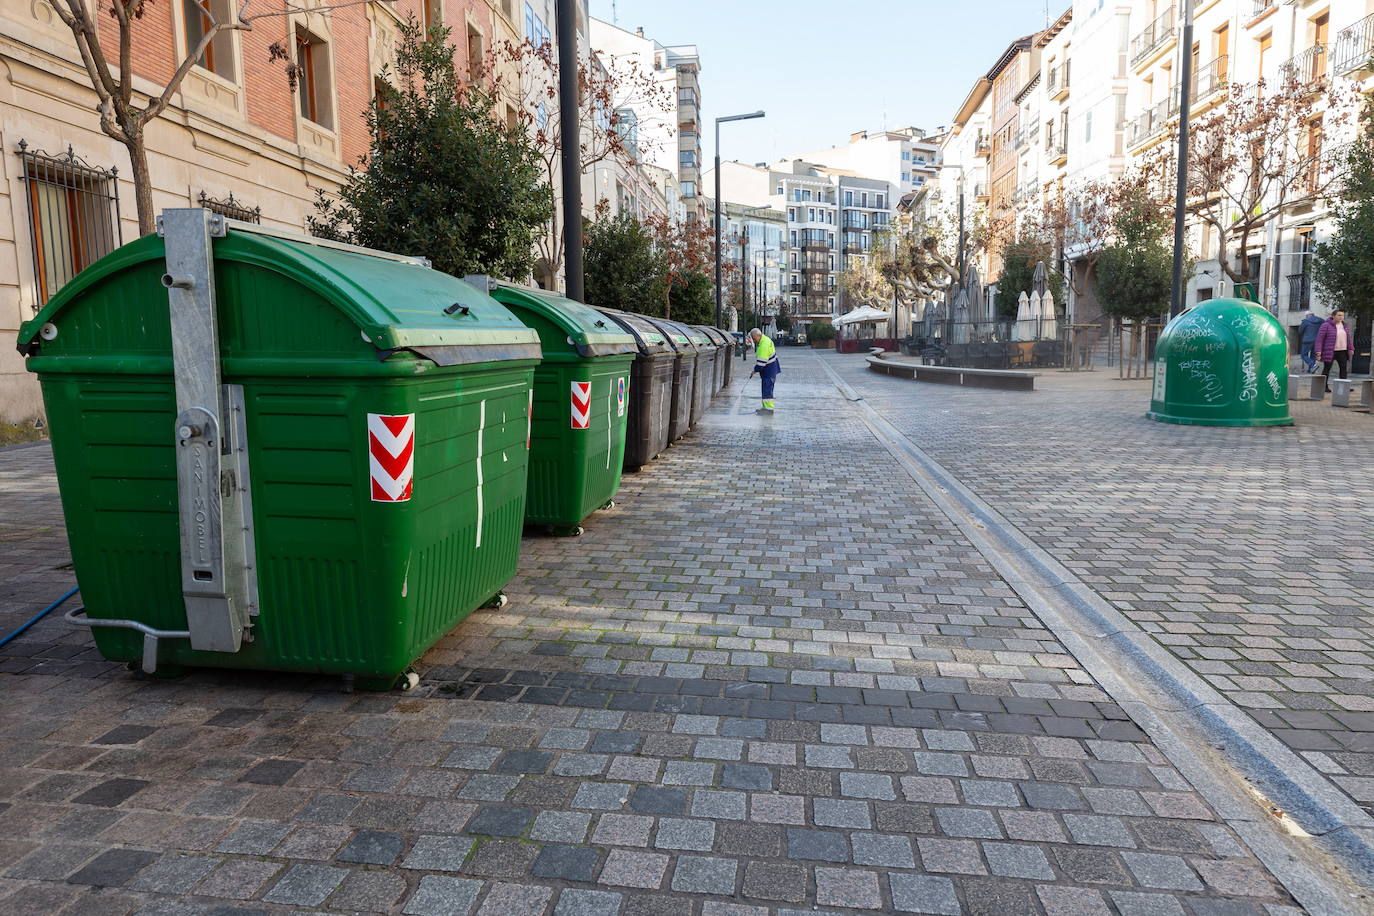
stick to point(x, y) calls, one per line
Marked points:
point(1341, 389)
point(1005, 379)
point(1315, 385)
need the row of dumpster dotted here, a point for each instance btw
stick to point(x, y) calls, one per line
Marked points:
point(284, 453)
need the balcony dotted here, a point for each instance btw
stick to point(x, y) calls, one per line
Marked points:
point(815, 269)
point(1153, 120)
point(1307, 67)
point(1057, 85)
point(1154, 37)
point(850, 248)
point(1018, 139)
point(983, 147)
point(1209, 79)
point(1057, 151)
point(1354, 47)
point(1262, 7)
point(854, 223)
point(980, 191)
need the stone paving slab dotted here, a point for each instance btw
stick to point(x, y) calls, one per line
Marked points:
point(1242, 551)
point(775, 679)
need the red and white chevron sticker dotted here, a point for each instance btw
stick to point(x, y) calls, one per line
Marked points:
point(391, 454)
point(581, 405)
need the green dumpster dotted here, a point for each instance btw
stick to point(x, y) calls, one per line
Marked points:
point(1222, 363)
point(581, 399)
point(298, 456)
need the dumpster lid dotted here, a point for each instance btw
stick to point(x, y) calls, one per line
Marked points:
point(715, 335)
point(397, 303)
point(678, 334)
point(650, 339)
point(700, 337)
point(590, 332)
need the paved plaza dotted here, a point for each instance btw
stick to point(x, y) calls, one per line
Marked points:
point(776, 678)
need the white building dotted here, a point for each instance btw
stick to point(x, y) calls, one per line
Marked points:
point(669, 139)
point(905, 158)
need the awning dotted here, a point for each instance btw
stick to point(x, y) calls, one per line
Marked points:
point(862, 315)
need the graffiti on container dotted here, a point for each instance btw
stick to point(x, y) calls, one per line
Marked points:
point(1273, 381)
point(1249, 379)
point(1196, 337)
point(1200, 372)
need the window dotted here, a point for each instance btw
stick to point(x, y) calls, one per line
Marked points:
point(535, 31)
point(689, 189)
point(796, 194)
point(1088, 127)
point(687, 159)
point(312, 78)
point(906, 176)
point(791, 214)
point(849, 198)
point(73, 216)
point(219, 53)
point(806, 195)
point(832, 262)
point(879, 204)
point(780, 191)
point(686, 95)
point(863, 199)
point(1264, 43)
point(476, 55)
point(432, 13)
point(794, 241)
point(906, 155)
point(811, 214)
point(831, 237)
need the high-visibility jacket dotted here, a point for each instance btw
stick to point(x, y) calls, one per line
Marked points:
point(765, 354)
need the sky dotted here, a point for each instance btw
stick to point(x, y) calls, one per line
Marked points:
point(823, 69)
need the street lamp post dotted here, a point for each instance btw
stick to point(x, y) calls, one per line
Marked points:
point(1181, 190)
point(569, 132)
point(719, 205)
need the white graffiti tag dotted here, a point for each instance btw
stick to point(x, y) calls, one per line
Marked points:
point(1249, 379)
point(1200, 371)
point(1273, 381)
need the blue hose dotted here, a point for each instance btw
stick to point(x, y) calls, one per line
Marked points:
point(37, 617)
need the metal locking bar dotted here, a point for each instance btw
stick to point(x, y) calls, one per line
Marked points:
point(217, 579)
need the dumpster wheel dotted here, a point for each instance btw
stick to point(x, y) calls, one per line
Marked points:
point(565, 531)
point(610, 504)
point(408, 681)
point(496, 602)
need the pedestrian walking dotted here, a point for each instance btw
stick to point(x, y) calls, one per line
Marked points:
point(1335, 343)
point(1307, 338)
point(766, 366)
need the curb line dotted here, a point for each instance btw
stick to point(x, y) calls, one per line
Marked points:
point(1306, 831)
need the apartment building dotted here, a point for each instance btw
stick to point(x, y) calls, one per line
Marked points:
point(670, 139)
point(906, 157)
point(1085, 99)
point(752, 240)
point(237, 137)
point(1244, 42)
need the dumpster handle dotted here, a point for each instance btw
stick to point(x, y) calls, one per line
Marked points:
point(457, 307)
point(150, 635)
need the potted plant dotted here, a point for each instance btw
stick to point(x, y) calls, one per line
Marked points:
point(821, 335)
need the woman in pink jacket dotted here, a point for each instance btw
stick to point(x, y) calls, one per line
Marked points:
point(1335, 342)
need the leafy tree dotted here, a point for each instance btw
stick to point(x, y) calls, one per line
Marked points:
point(1018, 274)
point(1344, 266)
point(443, 178)
point(1135, 271)
point(622, 264)
point(693, 298)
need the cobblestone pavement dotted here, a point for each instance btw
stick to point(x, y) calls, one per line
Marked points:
point(1245, 552)
point(774, 679)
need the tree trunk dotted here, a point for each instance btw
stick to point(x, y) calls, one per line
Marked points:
point(143, 183)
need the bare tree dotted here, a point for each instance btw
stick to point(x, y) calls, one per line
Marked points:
point(125, 113)
point(609, 94)
point(1261, 151)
